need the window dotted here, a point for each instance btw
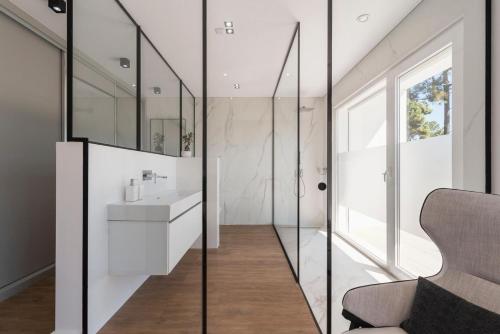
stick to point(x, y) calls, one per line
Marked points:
point(398, 140)
point(425, 155)
point(361, 170)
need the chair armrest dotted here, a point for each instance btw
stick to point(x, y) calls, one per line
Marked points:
point(381, 305)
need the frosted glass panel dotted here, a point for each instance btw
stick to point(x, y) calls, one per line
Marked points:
point(361, 168)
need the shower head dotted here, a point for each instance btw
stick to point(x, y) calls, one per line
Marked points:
point(306, 109)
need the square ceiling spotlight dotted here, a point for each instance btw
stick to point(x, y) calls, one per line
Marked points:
point(229, 31)
point(228, 24)
point(125, 62)
point(58, 6)
point(157, 90)
point(236, 86)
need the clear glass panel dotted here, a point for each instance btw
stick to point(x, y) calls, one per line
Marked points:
point(425, 155)
point(161, 103)
point(361, 170)
point(286, 185)
point(188, 119)
point(105, 73)
point(93, 112)
point(313, 235)
point(126, 119)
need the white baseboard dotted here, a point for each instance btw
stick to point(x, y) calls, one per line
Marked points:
point(21, 284)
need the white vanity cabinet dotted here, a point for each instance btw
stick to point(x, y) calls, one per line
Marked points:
point(152, 235)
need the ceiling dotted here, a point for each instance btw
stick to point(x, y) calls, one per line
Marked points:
point(254, 55)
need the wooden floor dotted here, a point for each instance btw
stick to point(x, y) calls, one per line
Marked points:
point(31, 311)
point(250, 290)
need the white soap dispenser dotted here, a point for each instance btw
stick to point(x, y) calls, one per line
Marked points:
point(132, 191)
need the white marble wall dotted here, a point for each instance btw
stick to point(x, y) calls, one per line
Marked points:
point(313, 162)
point(239, 132)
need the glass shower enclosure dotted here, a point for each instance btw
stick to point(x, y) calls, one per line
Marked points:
point(304, 241)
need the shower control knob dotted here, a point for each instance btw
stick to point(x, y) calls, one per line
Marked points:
point(322, 186)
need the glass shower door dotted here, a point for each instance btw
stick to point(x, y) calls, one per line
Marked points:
point(286, 127)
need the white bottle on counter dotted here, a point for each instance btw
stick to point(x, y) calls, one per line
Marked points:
point(132, 191)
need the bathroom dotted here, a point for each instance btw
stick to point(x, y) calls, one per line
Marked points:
point(228, 166)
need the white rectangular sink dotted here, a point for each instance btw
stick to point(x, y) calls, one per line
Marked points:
point(162, 207)
point(152, 235)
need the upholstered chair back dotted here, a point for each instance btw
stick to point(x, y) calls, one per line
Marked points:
point(466, 228)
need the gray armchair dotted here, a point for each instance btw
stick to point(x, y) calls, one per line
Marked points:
point(466, 228)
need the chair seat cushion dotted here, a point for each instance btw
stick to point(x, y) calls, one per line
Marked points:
point(381, 330)
point(436, 311)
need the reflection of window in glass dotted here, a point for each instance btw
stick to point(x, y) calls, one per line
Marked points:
point(429, 107)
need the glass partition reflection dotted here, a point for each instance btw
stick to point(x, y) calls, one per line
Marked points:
point(158, 259)
point(286, 109)
point(104, 73)
point(188, 125)
point(161, 103)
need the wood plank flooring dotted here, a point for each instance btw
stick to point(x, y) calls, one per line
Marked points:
point(250, 290)
point(30, 312)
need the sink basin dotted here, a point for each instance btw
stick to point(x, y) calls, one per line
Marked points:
point(161, 207)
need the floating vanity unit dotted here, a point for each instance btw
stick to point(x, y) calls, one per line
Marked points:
point(152, 235)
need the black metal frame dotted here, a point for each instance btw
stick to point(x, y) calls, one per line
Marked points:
point(204, 272)
point(296, 34)
point(488, 90)
point(296, 275)
point(329, 179)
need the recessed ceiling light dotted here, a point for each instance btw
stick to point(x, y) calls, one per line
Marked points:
point(228, 24)
point(225, 74)
point(363, 18)
point(58, 6)
point(134, 85)
point(288, 74)
point(156, 90)
point(236, 86)
point(229, 31)
point(125, 62)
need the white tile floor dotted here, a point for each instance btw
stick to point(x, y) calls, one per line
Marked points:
point(350, 269)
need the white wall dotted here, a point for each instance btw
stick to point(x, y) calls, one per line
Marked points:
point(110, 170)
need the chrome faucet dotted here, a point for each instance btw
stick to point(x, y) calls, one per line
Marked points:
point(148, 175)
point(156, 176)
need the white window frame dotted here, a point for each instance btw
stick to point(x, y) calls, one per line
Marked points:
point(452, 36)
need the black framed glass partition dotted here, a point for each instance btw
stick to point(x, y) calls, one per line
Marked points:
point(286, 101)
point(124, 93)
point(104, 74)
point(125, 102)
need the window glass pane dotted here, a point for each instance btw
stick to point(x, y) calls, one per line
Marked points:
point(425, 156)
point(361, 168)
